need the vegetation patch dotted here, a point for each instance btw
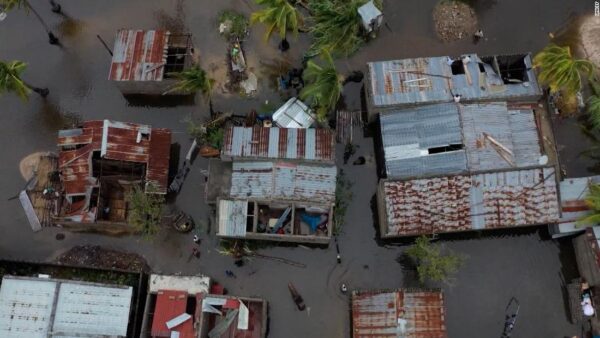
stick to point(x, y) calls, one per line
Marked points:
point(343, 197)
point(145, 210)
point(233, 25)
point(432, 264)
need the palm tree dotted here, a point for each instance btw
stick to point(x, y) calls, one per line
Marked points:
point(593, 105)
point(560, 70)
point(324, 86)
point(337, 26)
point(192, 80)
point(592, 200)
point(10, 80)
point(278, 15)
point(8, 5)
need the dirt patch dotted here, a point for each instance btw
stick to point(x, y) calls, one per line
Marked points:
point(590, 38)
point(98, 257)
point(454, 20)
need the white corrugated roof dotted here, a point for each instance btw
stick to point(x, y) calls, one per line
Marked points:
point(294, 114)
point(26, 308)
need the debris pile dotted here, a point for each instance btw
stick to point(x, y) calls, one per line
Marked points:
point(454, 20)
point(99, 257)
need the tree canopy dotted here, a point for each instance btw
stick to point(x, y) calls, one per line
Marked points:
point(278, 15)
point(323, 86)
point(560, 70)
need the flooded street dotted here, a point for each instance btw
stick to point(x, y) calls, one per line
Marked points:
point(526, 265)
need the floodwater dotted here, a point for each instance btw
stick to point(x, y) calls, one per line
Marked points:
point(527, 266)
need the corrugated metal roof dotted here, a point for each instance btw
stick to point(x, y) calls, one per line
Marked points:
point(573, 192)
point(294, 114)
point(170, 304)
point(26, 308)
point(232, 218)
point(401, 314)
point(430, 80)
point(139, 55)
point(299, 144)
point(408, 134)
point(114, 141)
point(283, 181)
point(470, 202)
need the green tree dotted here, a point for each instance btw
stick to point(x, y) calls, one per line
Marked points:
point(592, 200)
point(323, 86)
point(144, 210)
point(432, 265)
point(337, 26)
point(593, 104)
point(560, 70)
point(8, 5)
point(192, 80)
point(10, 80)
point(278, 15)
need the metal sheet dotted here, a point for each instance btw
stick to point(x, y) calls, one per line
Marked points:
point(430, 80)
point(401, 313)
point(283, 181)
point(138, 55)
point(294, 114)
point(232, 218)
point(467, 202)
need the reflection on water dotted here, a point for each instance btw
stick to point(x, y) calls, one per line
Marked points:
point(70, 27)
point(56, 120)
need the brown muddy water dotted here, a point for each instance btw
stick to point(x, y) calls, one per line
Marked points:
point(525, 265)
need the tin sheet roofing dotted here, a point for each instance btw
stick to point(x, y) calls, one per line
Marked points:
point(114, 141)
point(573, 192)
point(299, 144)
point(256, 320)
point(170, 304)
point(283, 181)
point(139, 55)
point(232, 218)
point(430, 80)
point(411, 136)
point(82, 309)
point(294, 114)
point(470, 202)
point(401, 314)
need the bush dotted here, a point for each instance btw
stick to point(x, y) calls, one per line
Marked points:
point(237, 24)
point(432, 265)
point(144, 210)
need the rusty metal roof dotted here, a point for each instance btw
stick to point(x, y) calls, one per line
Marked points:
point(400, 314)
point(283, 181)
point(431, 80)
point(114, 141)
point(170, 304)
point(139, 55)
point(298, 144)
point(469, 202)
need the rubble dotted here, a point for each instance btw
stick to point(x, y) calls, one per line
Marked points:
point(454, 20)
point(99, 257)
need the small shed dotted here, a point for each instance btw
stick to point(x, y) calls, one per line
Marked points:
point(371, 16)
point(294, 114)
point(144, 61)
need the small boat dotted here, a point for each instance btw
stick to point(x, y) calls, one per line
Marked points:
point(296, 297)
point(183, 222)
point(512, 310)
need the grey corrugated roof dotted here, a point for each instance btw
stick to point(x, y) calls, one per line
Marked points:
point(294, 114)
point(516, 130)
point(573, 192)
point(232, 217)
point(430, 80)
point(408, 134)
point(283, 181)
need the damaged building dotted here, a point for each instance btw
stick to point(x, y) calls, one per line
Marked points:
point(191, 307)
point(145, 61)
point(101, 161)
point(411, 82)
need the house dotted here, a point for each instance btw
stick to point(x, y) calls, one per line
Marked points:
point(144, 61)
point(573, 207)
point(185, 307)
point(46, 307)
point(262, 143)
point(412, 82)
point(101, 161)
point(400, 313)
point(465, 202)
point(279, 201)
point(450, 138)
point(294, 114)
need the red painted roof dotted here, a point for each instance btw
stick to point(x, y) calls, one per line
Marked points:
point(139, 55)
point(114, 141)
point(170, 304)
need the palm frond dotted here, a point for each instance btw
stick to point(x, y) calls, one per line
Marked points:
point(192, 80)
point(323, 87)
point(560, 71)
point(277, 15)
point(10, 79)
